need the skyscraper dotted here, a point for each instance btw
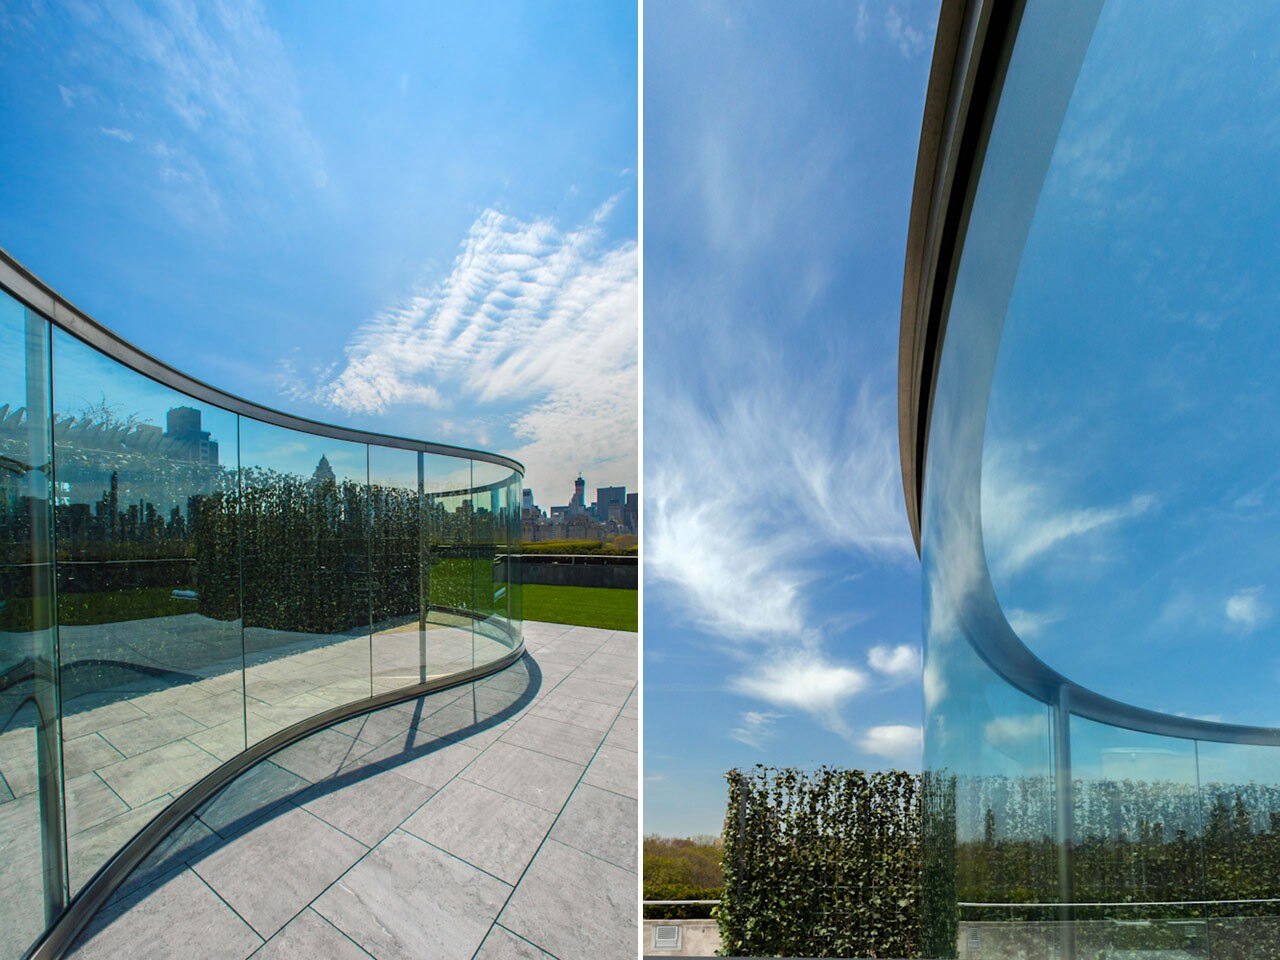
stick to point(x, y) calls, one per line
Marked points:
point(607, 499)
point(186, 439)
point(324, 473)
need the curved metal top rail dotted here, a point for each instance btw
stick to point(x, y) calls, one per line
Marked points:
point(969, 57)
point(23, 285)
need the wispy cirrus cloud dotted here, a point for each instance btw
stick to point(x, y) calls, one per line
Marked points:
point(1024, 520)
point(1029, 624)
point(209, 83)
point(743, 496)
point(910, 40)
point(532, 322)
point(804, 679)
point(117, 133)
point(756, 727)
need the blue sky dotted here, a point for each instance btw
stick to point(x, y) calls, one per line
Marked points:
point(416, 218)
point(1129, 469)
point(782, 607)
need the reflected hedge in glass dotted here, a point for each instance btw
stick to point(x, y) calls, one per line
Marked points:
point(162, 556)
point(1102, 752)
point(31, 873)
point(304, 517)
point(149, 636)
point(396, 553)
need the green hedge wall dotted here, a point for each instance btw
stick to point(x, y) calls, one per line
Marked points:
point(821, 864)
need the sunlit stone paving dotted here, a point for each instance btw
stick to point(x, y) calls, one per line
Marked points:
point(494, 819)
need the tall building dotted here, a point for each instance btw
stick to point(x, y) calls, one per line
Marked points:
point(187, 439)
point(526, 501)
point(608, 498)
point(578, 505)
point(324, 473)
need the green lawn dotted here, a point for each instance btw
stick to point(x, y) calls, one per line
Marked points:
point(83, 609)
point(582, 606)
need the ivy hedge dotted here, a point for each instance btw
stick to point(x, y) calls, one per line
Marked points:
point(821, 864)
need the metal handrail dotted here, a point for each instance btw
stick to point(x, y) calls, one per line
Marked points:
point(23, 285)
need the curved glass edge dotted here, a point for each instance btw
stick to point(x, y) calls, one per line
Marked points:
point(179, 582)
point(1049, 832)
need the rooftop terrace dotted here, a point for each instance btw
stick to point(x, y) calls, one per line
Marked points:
point(495, 819)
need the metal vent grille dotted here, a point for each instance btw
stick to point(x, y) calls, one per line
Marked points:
point(666, 937)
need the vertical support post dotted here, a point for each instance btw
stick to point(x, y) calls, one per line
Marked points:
point(48, 732)
point(424, 572)
point(1064, 803)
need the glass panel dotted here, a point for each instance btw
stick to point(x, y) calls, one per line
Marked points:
point(1240, 800)
point(1131, 459)
point(32, 876)
point(305, 523)
point(490, 482)
point(447, 498)
point(399, 637)
point(515, 605)
point(1136, 819)
point(148, 603)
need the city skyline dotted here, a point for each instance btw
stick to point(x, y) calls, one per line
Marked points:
point(476, 287)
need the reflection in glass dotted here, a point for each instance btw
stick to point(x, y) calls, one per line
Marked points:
point(305, 522)
point(490, 482)
point(399, 627)
point(1136, 810)
point(32, 875)
point(1082, 503)
point(515, 592)
point(448, 508)
point(148, 607)
point(178, 582)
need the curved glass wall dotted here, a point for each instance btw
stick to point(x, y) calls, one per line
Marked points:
point(1102, 748)
point(180, 581)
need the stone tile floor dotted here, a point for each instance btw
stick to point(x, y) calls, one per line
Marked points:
point(133, 742)
point(494, 820)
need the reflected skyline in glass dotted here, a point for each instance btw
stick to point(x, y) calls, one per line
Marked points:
point(216, 580)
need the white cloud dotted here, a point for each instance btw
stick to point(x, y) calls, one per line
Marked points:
point(898, 743)
point(910, 41)
point(1029, 624)
point(756, 728)
point(935, 684)
point(862, 25)
point(528, 313)
point(898, 663)
point(805, 680)
point(1023, 520)
point(757, 495)
point(1246, 610)
point(743, 495)
point(210, 81)
point(1015, 731)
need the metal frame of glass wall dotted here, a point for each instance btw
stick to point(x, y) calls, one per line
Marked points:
point(190, 582)
point(1034, 847)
